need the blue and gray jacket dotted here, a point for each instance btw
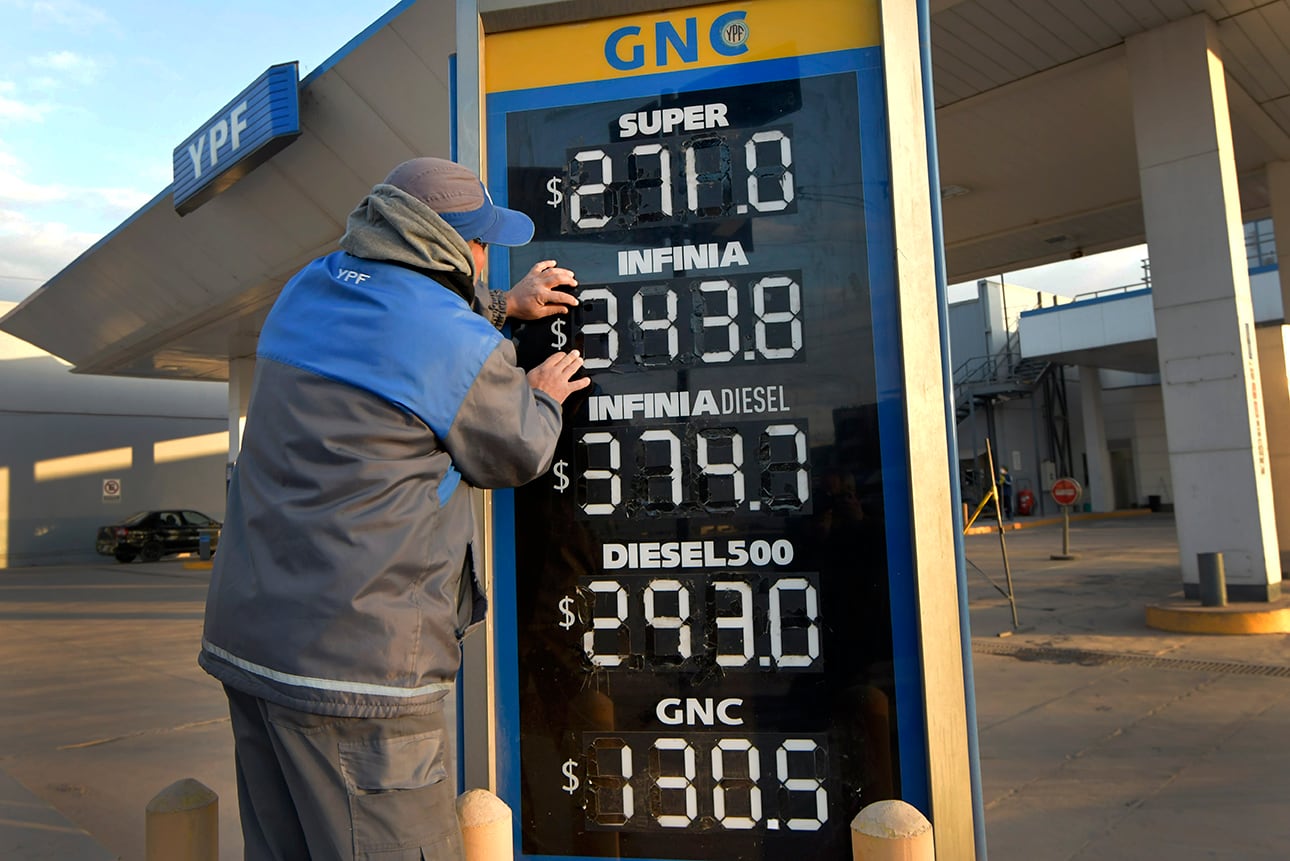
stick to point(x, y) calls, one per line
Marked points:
point(345, 577)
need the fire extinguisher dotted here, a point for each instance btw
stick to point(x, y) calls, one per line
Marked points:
point(1025, 502)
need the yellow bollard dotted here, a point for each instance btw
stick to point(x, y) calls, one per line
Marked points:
point(182, 823)
point(891, 831)
point(485, 826)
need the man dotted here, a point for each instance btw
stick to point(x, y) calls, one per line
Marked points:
point(345, 576)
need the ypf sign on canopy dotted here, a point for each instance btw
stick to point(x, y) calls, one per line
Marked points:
point(246, 132)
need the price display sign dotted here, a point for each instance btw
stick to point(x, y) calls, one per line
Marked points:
point(703, 610)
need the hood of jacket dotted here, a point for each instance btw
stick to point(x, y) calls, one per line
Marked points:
point(392, 225)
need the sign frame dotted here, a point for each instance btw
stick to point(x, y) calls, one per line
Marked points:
point(934, 542)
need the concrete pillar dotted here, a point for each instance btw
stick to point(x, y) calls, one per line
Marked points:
point(1274, 358)
point(1279, 192)
point(4, 517)
point(1100, 493)
point(1204, 319)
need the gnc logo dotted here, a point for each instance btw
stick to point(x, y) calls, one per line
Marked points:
point(727, 35)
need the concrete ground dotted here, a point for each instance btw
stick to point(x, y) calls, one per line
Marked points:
point(1100, 738)
point(1103, 739)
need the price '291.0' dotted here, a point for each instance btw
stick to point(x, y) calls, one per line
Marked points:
point(705, 176)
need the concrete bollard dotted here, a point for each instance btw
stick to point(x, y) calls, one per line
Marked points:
point(485, 826)
point(1213, 580)
point(891, 831)
point(182, 823)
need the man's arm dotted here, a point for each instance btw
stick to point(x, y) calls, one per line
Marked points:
point(505, 431)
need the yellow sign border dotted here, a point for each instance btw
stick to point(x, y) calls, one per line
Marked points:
point(576, 53)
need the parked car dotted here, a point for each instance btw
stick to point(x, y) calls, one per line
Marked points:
point(149, 535)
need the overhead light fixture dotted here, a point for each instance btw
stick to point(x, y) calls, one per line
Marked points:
point(948, 191)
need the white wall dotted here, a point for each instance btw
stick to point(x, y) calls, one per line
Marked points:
point(1137, 415)
point(62, 434)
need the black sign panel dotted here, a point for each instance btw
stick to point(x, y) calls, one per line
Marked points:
point(705, 664)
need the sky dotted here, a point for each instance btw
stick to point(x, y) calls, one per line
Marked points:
point(1087, 274)
point(96, 94)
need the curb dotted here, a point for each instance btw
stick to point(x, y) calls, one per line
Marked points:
point(1057, 521)
point(1189, 618)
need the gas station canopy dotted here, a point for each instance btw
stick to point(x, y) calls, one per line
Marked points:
point(1036, 145)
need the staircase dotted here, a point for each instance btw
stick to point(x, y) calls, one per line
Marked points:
point(1001, 377)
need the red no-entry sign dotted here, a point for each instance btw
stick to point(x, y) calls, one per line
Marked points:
point(1066, 491)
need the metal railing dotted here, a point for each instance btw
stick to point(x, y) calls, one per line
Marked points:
point(1108, 291)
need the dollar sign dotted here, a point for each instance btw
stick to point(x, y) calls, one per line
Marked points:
point(566, 610)
point(553, 186)
point(557, 329)
point(571, 782)
point(561, 480)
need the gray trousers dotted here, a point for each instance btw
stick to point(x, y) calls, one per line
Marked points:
point(317, 788)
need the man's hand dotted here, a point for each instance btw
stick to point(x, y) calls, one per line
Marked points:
point(552, 376)
point(535, 296)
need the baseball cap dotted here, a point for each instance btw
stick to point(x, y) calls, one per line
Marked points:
point(459, 198)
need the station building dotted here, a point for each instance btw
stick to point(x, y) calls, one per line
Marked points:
point(1043, 412)
point(79, 452)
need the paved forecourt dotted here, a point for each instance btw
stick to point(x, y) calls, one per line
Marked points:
point(1101, 738)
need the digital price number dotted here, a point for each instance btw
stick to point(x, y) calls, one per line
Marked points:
point(686, 470)
point(705, 322)
point(679, 179)
point(702, 781)
point(691, 623)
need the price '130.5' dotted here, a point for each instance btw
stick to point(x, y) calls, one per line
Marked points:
point(639, 782)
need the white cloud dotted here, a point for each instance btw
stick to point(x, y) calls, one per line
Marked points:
point(35, 243)
point(68, 63)
point(72, 14)
point(16, 189)
point(32, 251)
point(13, 109)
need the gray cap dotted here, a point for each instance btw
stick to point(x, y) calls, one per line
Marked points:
point(457, 195)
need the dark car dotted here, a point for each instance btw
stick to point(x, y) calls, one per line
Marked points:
point(149, 535)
